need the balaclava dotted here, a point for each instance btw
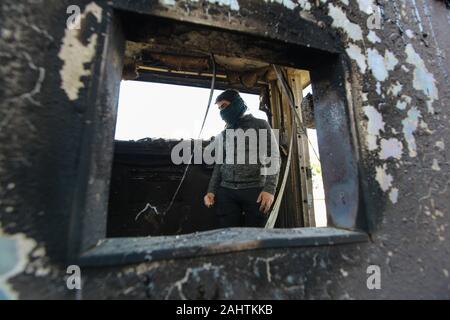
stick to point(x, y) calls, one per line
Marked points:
point(233, 112)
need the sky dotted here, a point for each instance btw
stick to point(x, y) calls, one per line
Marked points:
point(171, 112)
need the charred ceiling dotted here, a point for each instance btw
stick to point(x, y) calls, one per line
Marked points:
point(159, 50)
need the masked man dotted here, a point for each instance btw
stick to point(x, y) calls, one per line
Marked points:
point(242, 188)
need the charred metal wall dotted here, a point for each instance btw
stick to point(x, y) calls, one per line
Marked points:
point(399, 52)
point(143, 182)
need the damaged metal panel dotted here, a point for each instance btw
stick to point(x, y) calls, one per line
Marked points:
point(143, 181)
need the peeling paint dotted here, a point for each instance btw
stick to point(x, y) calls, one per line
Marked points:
point(355, 53)
point(409, 126)
point(381, 65)
point(384, 179)
point(366, 6)
point(340, 20)
point(423, 80)
point(15, 250)
point(435, 165)
point(403, 102)
point(304, 4)
point(372, 37)
point(378, 88)
point(390, 148)
point(9, 209)
point(440, 144)
point(375, 124)
point(409, 33)
point(376, 64)
point(393, 195)
point(395, 89)
point(167, 2)
point(75, 55)
point(289, 4)
point(390, 61)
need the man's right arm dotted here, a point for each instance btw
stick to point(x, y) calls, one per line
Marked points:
point(214, 182)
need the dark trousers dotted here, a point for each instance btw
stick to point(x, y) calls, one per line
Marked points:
point(231, 204)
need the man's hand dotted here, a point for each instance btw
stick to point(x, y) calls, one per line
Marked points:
point(266, 200)
point(209, 199)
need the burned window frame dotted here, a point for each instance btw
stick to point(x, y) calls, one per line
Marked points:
point(337, 147)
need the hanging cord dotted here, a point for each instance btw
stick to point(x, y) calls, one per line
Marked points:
point(296, 124)
point(295, 120)
point(213, 82)
point(288, 91)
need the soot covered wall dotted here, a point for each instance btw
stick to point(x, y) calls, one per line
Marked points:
point(399, 92)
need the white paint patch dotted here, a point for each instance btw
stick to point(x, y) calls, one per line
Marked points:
point(435, 166)
point(390, 61)
point(377, 64)
point(378, 88)
point(440, 144)
point(409, 33)
point(423, 125)
point(423, 79)
point(409, 127)
point(23, 248)
point(390, 148)
point(75, 54)
point(384, 179)
point(381, 65)
point(167, 2)
point(393, 195)
point(403, 102)
point(304, 4)
point(308, 16)
point(395, 89)
point(345, 2)
point(375, 124)
point(356, 54)
point(340, 20)
point(366, 6)
point(372, 37)
point(289, 4)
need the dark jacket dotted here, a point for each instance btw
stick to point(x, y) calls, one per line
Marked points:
point(247, 175)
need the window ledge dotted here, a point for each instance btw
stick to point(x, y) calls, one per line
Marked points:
point(115, 251)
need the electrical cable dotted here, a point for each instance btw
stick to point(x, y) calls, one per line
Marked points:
point(213, 82)
point(296, 124)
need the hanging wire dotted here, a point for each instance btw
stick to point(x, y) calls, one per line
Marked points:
point(213, 82)
point(290, 96)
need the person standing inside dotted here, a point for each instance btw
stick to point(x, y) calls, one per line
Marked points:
point(243, 193)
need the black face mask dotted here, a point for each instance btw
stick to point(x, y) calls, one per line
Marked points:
point(233, 112)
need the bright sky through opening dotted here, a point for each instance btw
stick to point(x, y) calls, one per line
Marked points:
point(153, 110)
